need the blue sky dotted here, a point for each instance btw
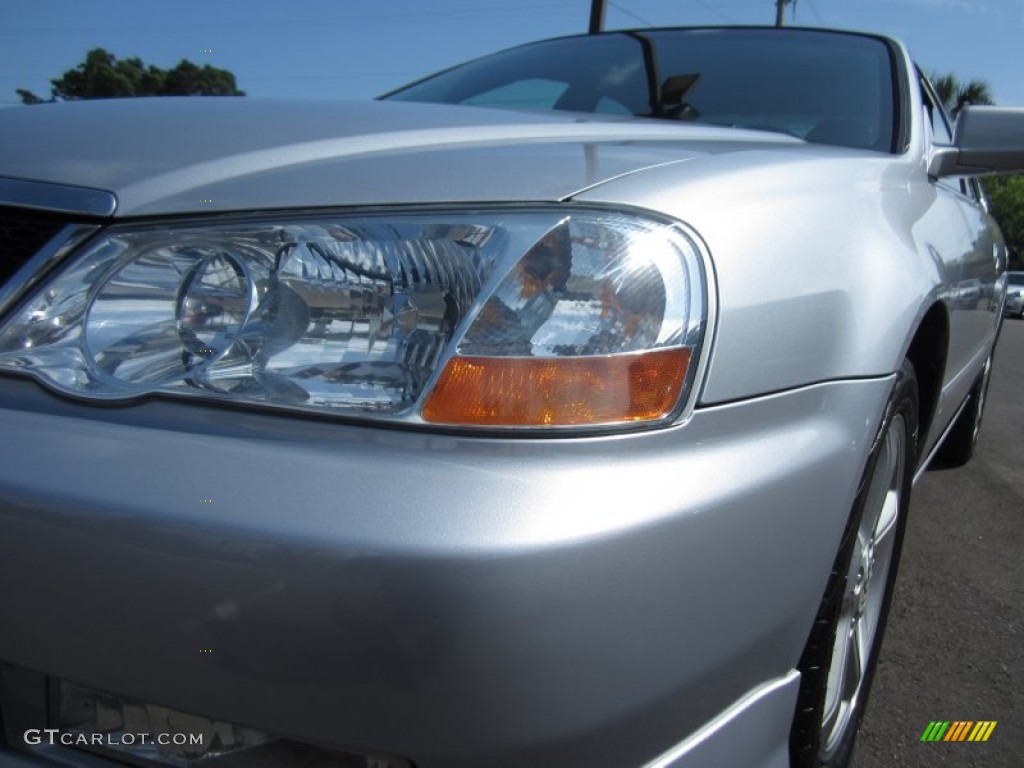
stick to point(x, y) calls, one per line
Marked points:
point(355, 49)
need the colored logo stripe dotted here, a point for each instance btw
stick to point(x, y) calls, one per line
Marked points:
point(958, 730)
point(982, 730)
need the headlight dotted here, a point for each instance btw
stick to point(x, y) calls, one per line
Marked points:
point(499, 318)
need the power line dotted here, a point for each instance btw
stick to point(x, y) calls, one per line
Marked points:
point(817, 15)
point(714, 10)
point(632, 15)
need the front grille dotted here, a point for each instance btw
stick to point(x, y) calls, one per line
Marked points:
point(22, 234)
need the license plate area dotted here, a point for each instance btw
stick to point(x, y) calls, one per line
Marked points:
point(58, 719)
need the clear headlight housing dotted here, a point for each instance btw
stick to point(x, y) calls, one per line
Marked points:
point(492, 318)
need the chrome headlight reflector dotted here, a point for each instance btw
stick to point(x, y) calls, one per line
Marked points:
point(496, 318)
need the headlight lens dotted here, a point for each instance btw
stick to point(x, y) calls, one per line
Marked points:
point(489, 318)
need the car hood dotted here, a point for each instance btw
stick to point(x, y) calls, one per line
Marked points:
point(184, 155)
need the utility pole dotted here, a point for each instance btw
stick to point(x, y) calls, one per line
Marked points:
point(780, 7)
point(597, 9)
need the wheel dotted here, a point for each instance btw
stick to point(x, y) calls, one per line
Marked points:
point(958, 448)
point(839, 659)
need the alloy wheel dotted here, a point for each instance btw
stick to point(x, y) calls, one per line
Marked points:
point(865, 593)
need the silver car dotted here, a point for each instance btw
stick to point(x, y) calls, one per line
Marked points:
point(561, 409)
point(1014, 306)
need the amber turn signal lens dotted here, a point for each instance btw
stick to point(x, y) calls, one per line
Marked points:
point(558, 391)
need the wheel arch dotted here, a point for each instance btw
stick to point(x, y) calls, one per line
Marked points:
point(928, 352)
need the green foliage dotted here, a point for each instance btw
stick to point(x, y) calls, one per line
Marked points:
point(103, 76)
point(1006, 199)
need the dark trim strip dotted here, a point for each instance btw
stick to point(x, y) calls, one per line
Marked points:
point(60, 198)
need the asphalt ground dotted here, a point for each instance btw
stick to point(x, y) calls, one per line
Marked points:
point(954, 647)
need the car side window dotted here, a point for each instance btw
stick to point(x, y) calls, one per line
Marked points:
point(976, 191)
point(940, 133)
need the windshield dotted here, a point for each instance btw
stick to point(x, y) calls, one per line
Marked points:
point(1015, 278)
point(831, 88)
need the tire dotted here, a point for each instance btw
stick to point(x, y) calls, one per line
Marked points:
point(839, 660)
point(959, 445)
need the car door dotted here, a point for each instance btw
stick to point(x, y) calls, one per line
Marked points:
point(970, 250)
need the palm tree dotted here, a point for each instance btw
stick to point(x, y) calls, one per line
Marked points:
point(956, 94)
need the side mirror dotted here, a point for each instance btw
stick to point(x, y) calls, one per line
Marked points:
point(985, 140)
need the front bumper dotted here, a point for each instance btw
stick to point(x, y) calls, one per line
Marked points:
point(458, 601)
